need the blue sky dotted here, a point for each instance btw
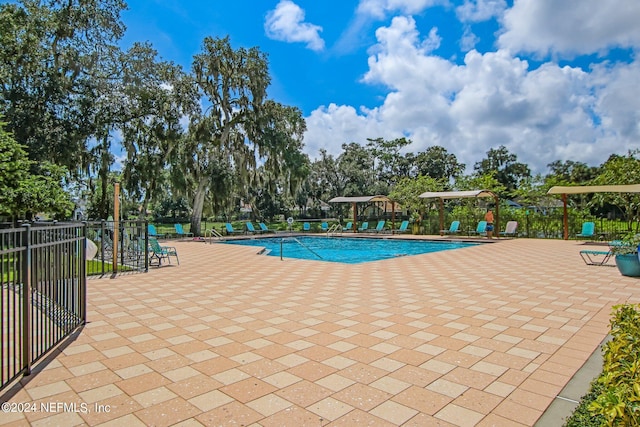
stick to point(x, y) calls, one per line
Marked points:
point(549, 80)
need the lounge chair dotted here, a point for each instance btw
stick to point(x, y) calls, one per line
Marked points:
point(264, 228)
point(588, 230)
point(404, 227)
point(596, 257)
point(380, 227)
point(324, 227)
point(153, 232)
point(161, 252)
point(364, 226)
point(180, 231)
point(106, 242)
point(348, 227)
point(481, 229)
point(592, 257)
point(251, 229)
point(511, 229)
point(306, 226)
point(230, 230)
point(454, 228)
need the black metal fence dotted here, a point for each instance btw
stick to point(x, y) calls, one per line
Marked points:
point(43, 292)
point(129, 255)
point(43, 277)
point(535, 224)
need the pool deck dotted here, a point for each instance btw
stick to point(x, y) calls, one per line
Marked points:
point(487, 335)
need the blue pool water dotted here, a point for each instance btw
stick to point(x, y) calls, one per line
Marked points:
point(347, 250)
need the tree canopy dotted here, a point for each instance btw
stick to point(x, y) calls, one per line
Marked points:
point(22, 193)
point(82, 112)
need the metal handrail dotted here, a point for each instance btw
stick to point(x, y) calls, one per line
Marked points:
point(335, 228)
point(301, 244)
point(213, 233)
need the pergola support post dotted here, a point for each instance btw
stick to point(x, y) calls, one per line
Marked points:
point(441, 216)
point(393, 216)
point(497, 225)
point(355, 217)
point(565, 217)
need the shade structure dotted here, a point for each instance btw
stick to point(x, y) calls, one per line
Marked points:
point(583, 189)
point(445, 195)
point(354, 200)
point(457, 194)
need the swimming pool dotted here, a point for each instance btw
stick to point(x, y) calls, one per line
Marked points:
point(347, 250)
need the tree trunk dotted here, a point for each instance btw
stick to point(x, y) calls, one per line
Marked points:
point(198, 206)
point(104, 201)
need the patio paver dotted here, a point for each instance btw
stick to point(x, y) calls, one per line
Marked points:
point(486, 335)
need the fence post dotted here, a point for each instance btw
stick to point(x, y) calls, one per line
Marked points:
point(26, 299)
point(146, 246)
point(83, 272)
point(116, 228)
point(103, 230)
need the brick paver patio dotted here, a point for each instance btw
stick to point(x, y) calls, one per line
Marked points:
point(481, 336)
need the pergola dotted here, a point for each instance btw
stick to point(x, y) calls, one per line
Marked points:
point(445, 195)
point(582, 189)
point(354, 200)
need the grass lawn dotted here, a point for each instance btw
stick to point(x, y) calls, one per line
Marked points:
point(93, 267)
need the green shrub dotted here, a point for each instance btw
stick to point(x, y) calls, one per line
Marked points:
point(618, 401)
point(581, 416)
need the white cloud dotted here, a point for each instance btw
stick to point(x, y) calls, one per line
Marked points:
point(286, 23)
point(570, 27)
point(468, 40)
point(330, 127)
point(492, 99)
point(618, 100)
point(379, 9)
point(400, 54)
point(480, 10)
point(370, 11)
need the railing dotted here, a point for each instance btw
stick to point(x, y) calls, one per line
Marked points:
point(43, 292)
point(298, 242)
point(211, 234)
point(129, 255)
point(335, 228)
point(539, 225)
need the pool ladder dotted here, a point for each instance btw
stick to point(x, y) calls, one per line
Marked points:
point(334, 229)
point(213, 233)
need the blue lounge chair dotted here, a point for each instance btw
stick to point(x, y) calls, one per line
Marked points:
point(588, 230)
point(454, 228)
point(161, 252)
point(364, 226)
point(230, 230)
point(591, 257)
point(404, 227)
point(481, 229)
point(264, 228)
point(306, 227)
point(153, 232)
point(380, 226)
point(180, 231)
point(325, 227)
point(251, 229)
point(348, 227)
